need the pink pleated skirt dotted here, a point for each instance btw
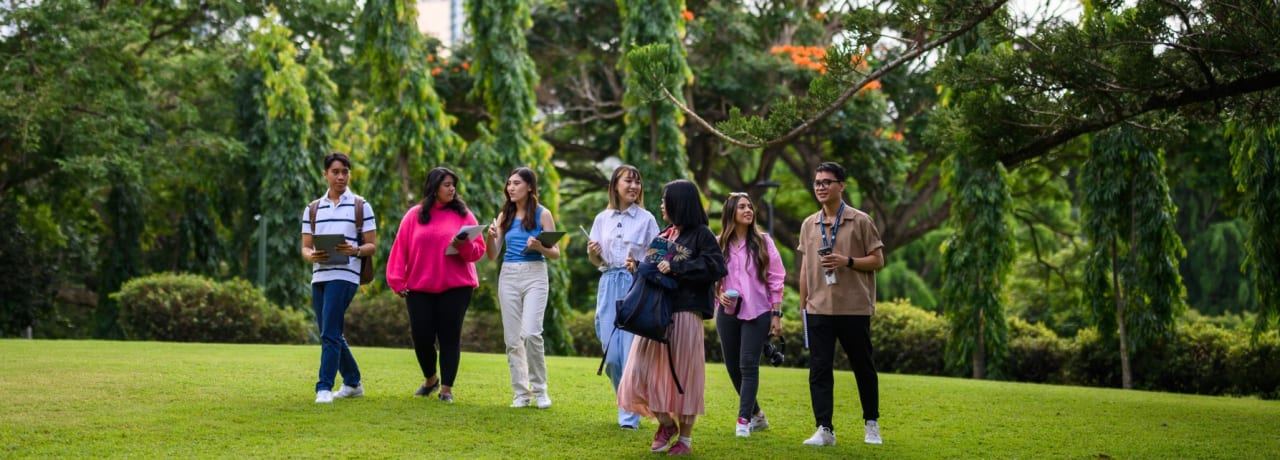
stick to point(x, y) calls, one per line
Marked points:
point(647, 388)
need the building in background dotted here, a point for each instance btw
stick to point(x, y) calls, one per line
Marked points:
point(444, 19)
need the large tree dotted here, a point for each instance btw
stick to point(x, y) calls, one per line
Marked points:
point(1132, 273)
point(653, 140)
point(288, 173)
point(505, 79)
point(412, 132)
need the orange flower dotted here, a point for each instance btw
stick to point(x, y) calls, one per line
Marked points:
point(435, 71)
point(466, 66)
point(897, 137)
point(688, 15)
point(871, 85)
point(820, 16)
point(431, 59)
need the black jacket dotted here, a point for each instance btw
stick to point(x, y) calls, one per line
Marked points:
point(697, 273)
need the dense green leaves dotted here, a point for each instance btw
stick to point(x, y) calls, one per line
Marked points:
point(1256, 165)
point(412, 132)
point(505, 80)
point(653, 140)
point(1132, 277)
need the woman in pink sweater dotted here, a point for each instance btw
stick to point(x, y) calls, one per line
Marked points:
point(432, 265)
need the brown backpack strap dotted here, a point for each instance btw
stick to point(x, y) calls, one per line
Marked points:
point(315, 205)
point(359, 219)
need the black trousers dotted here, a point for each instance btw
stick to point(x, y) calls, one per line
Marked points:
point(438, 317)
point(741, 343)
point(854, 334)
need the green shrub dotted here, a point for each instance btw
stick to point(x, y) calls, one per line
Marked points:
point(1035, 353)
point(378, 320)
point(482, 332)
point(1254, 366)
point(582, 326)
point(1092, 362)
point(192, 308)
point(907, 340)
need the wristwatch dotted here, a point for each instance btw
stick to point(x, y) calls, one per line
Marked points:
point(777, 313)
point(850, 264)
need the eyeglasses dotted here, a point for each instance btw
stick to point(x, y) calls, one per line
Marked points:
point(824, 183)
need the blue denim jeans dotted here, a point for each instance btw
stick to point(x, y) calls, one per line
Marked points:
point(617, 343)
point(330, 300)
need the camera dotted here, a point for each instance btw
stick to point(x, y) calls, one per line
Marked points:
point(776, 353)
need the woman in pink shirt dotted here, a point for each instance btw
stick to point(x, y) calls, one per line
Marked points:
point(746, 320)
point(432, 265)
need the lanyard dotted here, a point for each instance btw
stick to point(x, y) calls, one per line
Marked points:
point(835, 227)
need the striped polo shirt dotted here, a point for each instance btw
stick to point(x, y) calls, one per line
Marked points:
point(341, 219)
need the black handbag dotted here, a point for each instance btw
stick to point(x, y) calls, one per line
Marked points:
point(646, 308)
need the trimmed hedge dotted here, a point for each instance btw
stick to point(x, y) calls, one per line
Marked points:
point(1199, 357)
point(192, 308)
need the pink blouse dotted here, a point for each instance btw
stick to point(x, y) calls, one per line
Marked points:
point(757, 298)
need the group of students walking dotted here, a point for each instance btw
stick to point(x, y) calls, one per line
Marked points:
point(735, 278)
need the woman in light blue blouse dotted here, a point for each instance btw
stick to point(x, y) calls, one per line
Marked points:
point(522, 285)
point(621, 231)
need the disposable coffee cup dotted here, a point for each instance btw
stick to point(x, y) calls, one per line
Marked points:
point(734, 300)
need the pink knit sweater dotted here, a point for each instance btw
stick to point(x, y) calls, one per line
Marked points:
point(418, 262)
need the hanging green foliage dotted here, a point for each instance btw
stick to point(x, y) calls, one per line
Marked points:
point(288, 174)
point(505, 79)
point(1131, 275)
point(1255, 163)
point(654, 141)
point(323, 94)
point(976, 261)
point(412, 132)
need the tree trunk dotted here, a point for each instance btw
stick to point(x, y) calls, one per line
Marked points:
point(406, 189)
point(1126, 374)
point(653, 134)
point(980, 351)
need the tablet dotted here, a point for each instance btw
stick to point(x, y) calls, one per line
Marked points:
point(549, 239)
point(470, 231)
point(327, 242)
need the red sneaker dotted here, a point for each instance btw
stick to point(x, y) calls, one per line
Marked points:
point(662, 439)
point(680, 448)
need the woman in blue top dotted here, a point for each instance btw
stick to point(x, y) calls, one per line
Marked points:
point(522, 285)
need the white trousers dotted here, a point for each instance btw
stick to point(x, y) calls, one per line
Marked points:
point(522, 293)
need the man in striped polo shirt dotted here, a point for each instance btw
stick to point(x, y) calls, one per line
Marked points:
point(333, 285)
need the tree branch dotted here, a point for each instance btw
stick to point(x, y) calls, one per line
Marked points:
point(983, 14)
point(1041, 145)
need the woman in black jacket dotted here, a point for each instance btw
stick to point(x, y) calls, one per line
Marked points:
point(688, 251)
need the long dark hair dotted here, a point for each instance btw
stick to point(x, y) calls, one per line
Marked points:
point(531, 217)
point(755, 240)
point(615, 201)
point(429, 188)
point(684, 204)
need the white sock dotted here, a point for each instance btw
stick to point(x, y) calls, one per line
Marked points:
point(687, 440)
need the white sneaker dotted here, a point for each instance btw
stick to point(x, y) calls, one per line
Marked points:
point(744, 428)
point(542, 401)
point(759, 423)
point(822, 437)
point(349, 392)
point(873, 432)
point(520, 401)
point(324, 397)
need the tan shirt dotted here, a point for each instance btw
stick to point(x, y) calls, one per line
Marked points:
point(855, 290)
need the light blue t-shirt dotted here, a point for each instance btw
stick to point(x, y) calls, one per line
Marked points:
point(517, 240)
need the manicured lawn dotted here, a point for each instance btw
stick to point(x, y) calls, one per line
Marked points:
point(149, 400)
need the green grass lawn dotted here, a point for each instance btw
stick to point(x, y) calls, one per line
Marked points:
point(146, 399)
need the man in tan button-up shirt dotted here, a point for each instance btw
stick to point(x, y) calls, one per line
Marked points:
point(840, 251)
